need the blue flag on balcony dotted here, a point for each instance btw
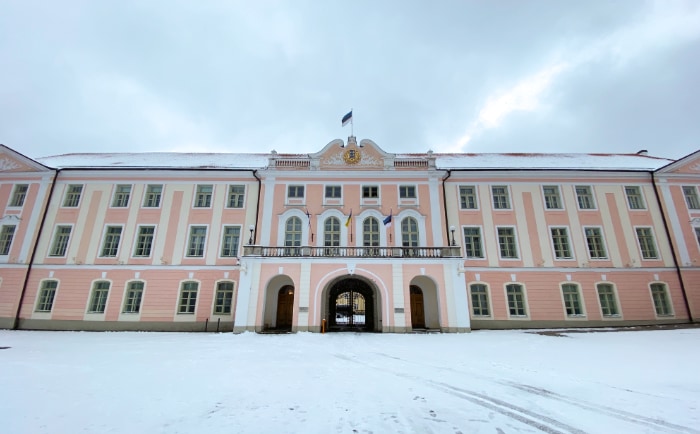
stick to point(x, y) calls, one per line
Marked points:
point(387, 220)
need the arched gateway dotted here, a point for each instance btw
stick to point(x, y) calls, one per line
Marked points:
point(352, 304)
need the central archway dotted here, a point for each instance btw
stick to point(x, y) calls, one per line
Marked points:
point(351, 304)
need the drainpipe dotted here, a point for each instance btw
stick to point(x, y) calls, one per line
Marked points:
point(257, 208)
point(444, 206)
point(673, 248)
point(25, 284)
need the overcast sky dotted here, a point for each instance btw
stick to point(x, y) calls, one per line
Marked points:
point(252, 76)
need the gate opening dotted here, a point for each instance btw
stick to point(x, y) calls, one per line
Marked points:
point(351, 306)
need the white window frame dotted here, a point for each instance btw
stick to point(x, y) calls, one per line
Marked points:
point(526, 306)
point(104, 240)
point(230, 193)
point(515, 238)
point(640, 193)
point(18, 196)
point(119, 197)
point(189, 241)
point(216, 294)
point(692, 200)
point(509, 198)
point(488, 300)
point(407, 188)
point(603, 241)
point(615, 297)
point(39, 295)
point(669, 300)
point(7, 245)
point(180, 305)
point(53, 241)
point(653, 241)
point(68, 193)
point(481, 242)
point(91, 298)
point(590, 194)
point(556, 196)
point(579, 297)
point(207, 196)
point(223, 235)
point(572, 255)
point(122, 308)
point(147, 195)
point(136, 241)
point(474, 194)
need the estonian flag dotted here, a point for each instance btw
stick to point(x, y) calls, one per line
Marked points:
point(309, 216)
point(347, 222)
point(347, 118)
point(387, 220)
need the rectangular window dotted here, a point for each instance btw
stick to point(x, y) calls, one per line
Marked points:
point(236, 196)
point(370, 192)
point(60, 241)
point(121, 196)
point(188, 298)
point(691, 197)
point(552, 199)
point(19, 194)
point(594, 240)
point(73, 193)
point(152, 197)
point(407, 191)
point(480, 300)
point(645, 237)
point(224, 298)
point(584, 196)
point(634, 197)
point(662, 304)
point(333, 192)
point(608, 304)
point(516, 300)
point(134, 294)
point(98, 302)
point(506, 243)
point(203, 197)
point(572, 299)
point(7, 233)
point(472, 243)
point(560, 240)
point(46, 295)
point(467, 197)
point(144, 241)
point(295, 191)
point(110, 246)
point(501, 200)
point(198, 235)
point(230, 241)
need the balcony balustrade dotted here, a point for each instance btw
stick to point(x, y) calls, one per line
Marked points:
point(352, 252)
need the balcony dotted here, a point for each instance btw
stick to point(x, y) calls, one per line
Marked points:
point(353, 252)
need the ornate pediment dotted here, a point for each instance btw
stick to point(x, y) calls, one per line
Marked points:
point(12, 161)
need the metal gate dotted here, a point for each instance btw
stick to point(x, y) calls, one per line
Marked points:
point(351, 306)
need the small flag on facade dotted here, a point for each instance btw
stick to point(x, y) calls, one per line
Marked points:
point(387, 220)
point(347, 222)
point(347, 118)
point(309, 216)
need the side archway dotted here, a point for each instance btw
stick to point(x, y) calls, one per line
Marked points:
point(278, 311)
point(423, 293)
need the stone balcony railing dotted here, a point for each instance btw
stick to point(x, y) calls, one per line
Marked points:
point(353, 252)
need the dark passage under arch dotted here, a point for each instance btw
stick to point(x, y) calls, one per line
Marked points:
point(351, 304)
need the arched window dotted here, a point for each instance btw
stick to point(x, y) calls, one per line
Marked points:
point(409, 235)
point(370, 235)
point(331, 235)
point(292, 236)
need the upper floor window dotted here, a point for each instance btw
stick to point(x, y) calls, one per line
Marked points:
point(501, 200)
point(370, 232)
point(691, 197)
point(473, 243)
point(409, 232)
point(331, 232)
point(110, 246)
point(584, 196)
point(152, 197)
point(72, 198)
point(467, 197)
point(60, 241)
point(144, 241)
point(203, 197)
point(333, 191)
point(7, 233)
point(19, 194)
point(634, 197)
point(236, 196)
point(198, 236)
point(407, 191)
point(231, 240)
point(560, 240)
point(121, 196)
point(292, 235)
point(645, 238)
point(594, 241)
point(370, 191)
point(552, 199)
point(295, 191)
point(507, 244)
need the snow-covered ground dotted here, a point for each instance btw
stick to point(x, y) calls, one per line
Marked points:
point(482, 382)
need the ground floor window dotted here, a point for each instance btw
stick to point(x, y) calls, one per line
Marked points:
point(224, 297)
point(188, 298)
point(98, 302)
point(572, 299)
point(134, 294)
point(608, 304)
point(516, 299)
point(662, 303)
point(480, 299)
point(46, 295)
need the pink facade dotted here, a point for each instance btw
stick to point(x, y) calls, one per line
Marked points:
point(348, 238)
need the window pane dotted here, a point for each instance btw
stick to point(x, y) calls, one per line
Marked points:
point(6, 235)
point(152, 198)
point(19, 194)
point(236, 196)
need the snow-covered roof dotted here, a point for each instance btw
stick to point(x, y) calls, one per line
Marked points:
point(526, 161)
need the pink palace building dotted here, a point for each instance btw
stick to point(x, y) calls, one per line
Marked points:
point(349, 238)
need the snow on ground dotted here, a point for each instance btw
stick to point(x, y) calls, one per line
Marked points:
point(481, 382)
